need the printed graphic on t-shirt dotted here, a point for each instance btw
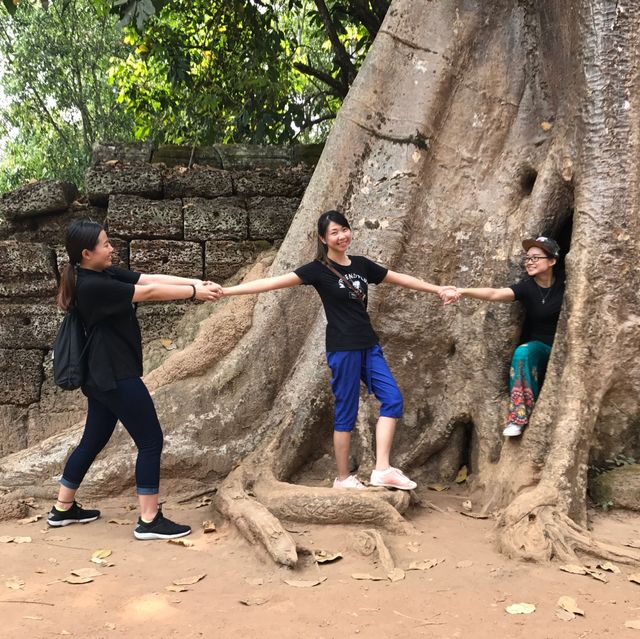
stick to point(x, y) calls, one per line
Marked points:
point(357, 281)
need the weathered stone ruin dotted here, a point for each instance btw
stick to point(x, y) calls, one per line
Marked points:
point(204, 212)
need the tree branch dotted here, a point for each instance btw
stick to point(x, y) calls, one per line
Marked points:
point(343, 58)
point(339, 90)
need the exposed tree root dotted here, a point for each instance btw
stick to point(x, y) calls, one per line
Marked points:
point(255, 501)
point(535, 528)
point(217, 336)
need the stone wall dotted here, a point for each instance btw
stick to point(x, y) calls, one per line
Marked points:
point(203, 212)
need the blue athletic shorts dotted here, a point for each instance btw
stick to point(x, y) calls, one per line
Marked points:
point(348, 368)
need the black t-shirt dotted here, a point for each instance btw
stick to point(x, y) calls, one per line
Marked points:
point(541, 316)
point(104, 300)
point(348, 324)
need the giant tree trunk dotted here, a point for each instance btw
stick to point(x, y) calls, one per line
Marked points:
point(471, 126)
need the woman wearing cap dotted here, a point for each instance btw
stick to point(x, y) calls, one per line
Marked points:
point(541, 295)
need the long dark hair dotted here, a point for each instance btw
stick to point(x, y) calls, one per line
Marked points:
point(323, 224)
point(81, 235)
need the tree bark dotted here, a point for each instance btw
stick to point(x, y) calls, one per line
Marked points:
point(469, 127)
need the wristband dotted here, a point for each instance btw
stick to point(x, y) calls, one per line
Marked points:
point(193, 297)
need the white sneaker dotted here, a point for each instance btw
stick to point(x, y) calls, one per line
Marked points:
point(351, 481)
point(512, 430)
point(391, 478)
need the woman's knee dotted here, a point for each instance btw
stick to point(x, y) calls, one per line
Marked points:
point(392, 405)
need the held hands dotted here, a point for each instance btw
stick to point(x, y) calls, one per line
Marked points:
point(448, 295)
point(208, 291)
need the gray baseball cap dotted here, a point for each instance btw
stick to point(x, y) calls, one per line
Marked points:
point(547, 244)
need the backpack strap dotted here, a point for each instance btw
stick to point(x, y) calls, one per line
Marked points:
point(357, 292)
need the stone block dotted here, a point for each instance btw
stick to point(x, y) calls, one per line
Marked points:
point(284, 182)
point(198, 181)
point(224, 258)
point(132, 178)
point(223, 218)
point(28, 325)
point(20, 376)
point(170, 257)
point(38, 198)
point(131, 216)
point(123, 151)
point(176, 155)
point(26, 270)
point(271, 217)
point(158, 319)
point(246, 156)
point(51, 229)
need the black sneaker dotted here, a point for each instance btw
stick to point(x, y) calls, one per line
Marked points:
point(75, 515)
point(160, 528)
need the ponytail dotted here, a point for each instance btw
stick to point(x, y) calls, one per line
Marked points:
point(81, 235)
point(67, 290)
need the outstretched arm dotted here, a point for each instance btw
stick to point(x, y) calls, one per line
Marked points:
point(264, 284)
point(488, 294)
point(408, 281)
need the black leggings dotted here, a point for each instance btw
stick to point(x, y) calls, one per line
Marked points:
point(130, 403)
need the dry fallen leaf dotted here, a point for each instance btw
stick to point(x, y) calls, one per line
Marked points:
point(189, 581)
point(466, 563)
point(413, 546)
point(635, 577)
point(110, 626)
point(176, 588)
point(253, 601)
point(634, 624)
point(461, 477)
point(565, 615)
point(181, 542)
point(361, 576)
point(324, 557)
point(73, 579)
point(86, 572)
point(426, 564)
point(30, 520)
point(546, 126)
point(574, 569)
point(609, 567)
point(570, 605)
point(437, 487)
point(99, 556)
point(300, 583)
point(22, 540)
point(168, 344)
point(596, 574)
point(6, 539)
point(208, 526)
point(14, 583)
point(520, 609)
point(397, 574)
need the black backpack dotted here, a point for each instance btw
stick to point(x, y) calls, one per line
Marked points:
point(69, 352)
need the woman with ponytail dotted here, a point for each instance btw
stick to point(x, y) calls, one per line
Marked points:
point(353, 351)
point(104, 295)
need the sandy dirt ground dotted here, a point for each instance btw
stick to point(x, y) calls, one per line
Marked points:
point(243, 594)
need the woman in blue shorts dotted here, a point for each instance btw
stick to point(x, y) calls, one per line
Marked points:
point(353, 351)
point(104, 296)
